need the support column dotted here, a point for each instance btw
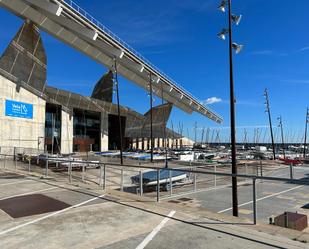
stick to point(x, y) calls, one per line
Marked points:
point(104, 131)
point(66, 132)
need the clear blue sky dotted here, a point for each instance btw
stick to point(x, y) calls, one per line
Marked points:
point(179, 36)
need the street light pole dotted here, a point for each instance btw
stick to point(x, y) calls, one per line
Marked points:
point(270, 123)
point(282, 135)
point(306, 127)
point(232, 115)
point(118, 108)
point(232, 19)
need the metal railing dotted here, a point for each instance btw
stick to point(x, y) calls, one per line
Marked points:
point(101, 179)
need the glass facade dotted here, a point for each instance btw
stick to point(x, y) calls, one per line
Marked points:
point(53, 128)
point(86, 131)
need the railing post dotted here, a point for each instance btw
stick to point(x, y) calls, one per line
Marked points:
point(171, 183)
point(15, 162)
point(158, 185)
point(261, 170)
point(121, 180)
point(194, 179)
point(70, 172)
point(246, 168)
point(4, 164)
point(46, 165)
point(101, 177)
point(291, 171)
point(104, 171)
point(215, 169)
point(83, 173)
point(57, 161)
point(254, 199)
point(141, 183)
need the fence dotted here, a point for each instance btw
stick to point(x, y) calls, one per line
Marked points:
point(118, 176)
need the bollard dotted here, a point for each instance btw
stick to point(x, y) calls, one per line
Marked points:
point(121, 180)
point(158, 185)
point(291, 171)
point(141, 183)
point(29, 165)
point(171, 183)
point(215, 169)
point(254, 200)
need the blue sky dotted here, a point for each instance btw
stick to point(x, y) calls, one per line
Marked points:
point(179, 37)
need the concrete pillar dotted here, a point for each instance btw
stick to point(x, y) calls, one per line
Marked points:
point(66, 132)
point(104, 131)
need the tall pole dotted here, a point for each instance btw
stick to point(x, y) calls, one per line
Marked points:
point(306, 127)
point(164, 116)
point(118, 108)
point(195, 128)
point(232, 116)
point(282, 136)
point(151, 117)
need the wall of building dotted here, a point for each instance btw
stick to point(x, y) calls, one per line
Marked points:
point(21, 132)
point(104, 131)
point(66, 133)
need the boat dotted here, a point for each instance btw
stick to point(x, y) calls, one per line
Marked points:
point(150, 177)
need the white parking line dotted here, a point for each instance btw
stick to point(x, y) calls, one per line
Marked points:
point(10, 183)
point(155, 231)
point(50, 215)
point(263, 198)
point(29, 193)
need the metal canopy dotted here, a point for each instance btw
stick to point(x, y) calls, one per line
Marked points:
point(66, 21)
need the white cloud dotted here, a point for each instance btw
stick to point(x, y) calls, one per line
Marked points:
point(303, 49)
point(212, 100)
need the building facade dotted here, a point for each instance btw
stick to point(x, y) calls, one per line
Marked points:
point(35, 115)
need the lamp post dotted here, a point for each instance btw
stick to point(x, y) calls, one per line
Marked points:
point(118, 108)
point(306, 128)
point(235, 19)
point(270, 123)
point(282, 135)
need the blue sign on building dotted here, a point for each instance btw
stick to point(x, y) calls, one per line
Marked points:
point(18, 109)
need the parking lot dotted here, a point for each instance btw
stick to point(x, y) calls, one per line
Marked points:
point(84, 216)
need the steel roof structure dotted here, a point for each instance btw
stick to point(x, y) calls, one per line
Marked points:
point(67, 22)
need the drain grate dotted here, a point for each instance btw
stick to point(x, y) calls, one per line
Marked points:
point(173, 201)
point(28, 205)
point(185, 199)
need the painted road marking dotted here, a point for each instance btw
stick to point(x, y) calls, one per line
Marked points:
point(50, 215)
point(155, 231)
point(10, 183)
point(263, 198)
point(29, 193)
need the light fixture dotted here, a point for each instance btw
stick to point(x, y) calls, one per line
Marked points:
point(222, 34)
point(236, 19)
point(222, 6)
point(237, 47)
